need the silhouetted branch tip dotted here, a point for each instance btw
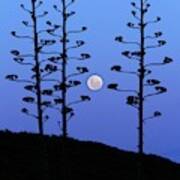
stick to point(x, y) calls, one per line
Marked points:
point(153, 82)
point(28, 99)
point(113, 86)
point(85, 98)
point(116, 68)
point(82, 70)
point(157, 114)
point(12, 77)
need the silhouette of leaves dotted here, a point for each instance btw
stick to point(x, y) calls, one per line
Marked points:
point(158, 34)
point(157, 114)
point(12, 77)
point(85, 98)
point(153, 82)
point(116, 68)
point(55, 59)
point(29, 99)
point(126, 53)
point(46, 117)
point(84, 28)
point(47, 42)
point(15, 52)
point(46, 103)
point(73, 83)
point(50, 68)
point(18, 59)
point(25, 110)
point(48, 92)
point(58, 101)
point(85, 56)
point(113, 86)
point(82, 70)
point(119, 39)
point(167, 60)
point(60, 87)
point(132, 100)
point(161, 42)
point(67, 110)
point(30, 87)
point(161, 89)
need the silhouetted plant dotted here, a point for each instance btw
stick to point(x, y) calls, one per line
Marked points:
point(138, 55)
point(61, 59)
point(40, 68)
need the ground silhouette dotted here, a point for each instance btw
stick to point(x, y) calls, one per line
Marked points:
point(31, 156)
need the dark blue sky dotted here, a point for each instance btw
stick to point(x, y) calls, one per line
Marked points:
point(106, 118)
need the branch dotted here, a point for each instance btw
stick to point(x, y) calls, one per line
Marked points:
point(160, 44)
point(25, 9)
point(50, 53)
point(70, 3)
point(26, 23)
point(156, 35)
point(42, 15)
point(74, 102)
point(49, 73)
point(120, 39)
point(83, 99)
point(166, 60)
point(73, 75)
point(26, 111)
point(13, 33)
point(155, 115)
point(50, 80)
point(81, 70)
point(79, 43)
point(57, 9)
point(20, 61)
point(84, 56)
point(153, 22)
point(135, 6)
point(160, 90)
point(132, 26)
point(77, 31)
point(117, 68)
point(134, 106)
point(39, 4)
point(115, 87)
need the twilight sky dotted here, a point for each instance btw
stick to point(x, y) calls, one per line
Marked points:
point(106, 118)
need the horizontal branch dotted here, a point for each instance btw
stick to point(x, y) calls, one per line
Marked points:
point(50, 53)
point(42, 15)
point(50, 80)
point(115, 87)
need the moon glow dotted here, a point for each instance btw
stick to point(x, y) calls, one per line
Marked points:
point(95, 82)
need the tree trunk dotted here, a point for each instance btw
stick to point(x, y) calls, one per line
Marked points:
point(37, 70)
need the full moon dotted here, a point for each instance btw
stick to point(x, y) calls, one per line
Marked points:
point(95, 82)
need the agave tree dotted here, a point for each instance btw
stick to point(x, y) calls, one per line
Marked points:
point(139, 55)
point(39, 68)
point(66, 79)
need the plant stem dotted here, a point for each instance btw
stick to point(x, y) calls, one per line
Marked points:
point(37, 70)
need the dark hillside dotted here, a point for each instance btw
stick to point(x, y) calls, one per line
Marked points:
point(28, 156)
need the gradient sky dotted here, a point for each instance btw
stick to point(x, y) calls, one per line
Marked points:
point(106, 118)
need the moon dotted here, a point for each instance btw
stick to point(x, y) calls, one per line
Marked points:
point(95, 82)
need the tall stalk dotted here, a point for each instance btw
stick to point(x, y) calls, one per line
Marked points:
point(63, 58)
point(138, 55)
point(40, 69)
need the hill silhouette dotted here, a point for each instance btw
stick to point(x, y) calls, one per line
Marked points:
point(30, 156)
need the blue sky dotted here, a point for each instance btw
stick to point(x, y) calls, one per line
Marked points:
point(106, 118)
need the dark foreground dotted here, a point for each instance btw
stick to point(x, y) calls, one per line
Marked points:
point(27, 156)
